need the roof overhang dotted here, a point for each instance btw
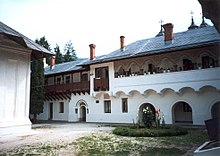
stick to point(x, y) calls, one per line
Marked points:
point(37, 51)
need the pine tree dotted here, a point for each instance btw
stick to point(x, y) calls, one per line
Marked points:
point(69, 51)
point(37, 82)
point(37, 88)
point(44, 43)
point(59, 56)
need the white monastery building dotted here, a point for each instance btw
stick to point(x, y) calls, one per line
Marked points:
point(177, 73)
point(16, 53)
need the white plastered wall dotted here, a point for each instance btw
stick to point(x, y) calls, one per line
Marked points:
point(14, 90)
point(56, 111)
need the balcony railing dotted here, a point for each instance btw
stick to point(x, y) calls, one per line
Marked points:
point(141, 72)
point(101, 84)
point(68, 87)
point(194, 79)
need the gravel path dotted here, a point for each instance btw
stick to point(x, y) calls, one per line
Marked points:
point(52, 133)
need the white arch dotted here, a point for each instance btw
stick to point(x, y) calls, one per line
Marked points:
point(180, 100)
point(148, 92)
point(81, 101)
point(119, 93)
point(207, 86)
point(134, 67)
point(211, 104)
point(144, 66)
point(132, 92)
point(165, 90)
point(166, 63)
point(181, 90)
point(138, 115)
point(176, 102)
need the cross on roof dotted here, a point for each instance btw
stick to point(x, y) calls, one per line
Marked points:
point(161, 22)
point(191, 12)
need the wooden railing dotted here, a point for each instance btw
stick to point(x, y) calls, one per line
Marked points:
point(101, 84)
point(83, 86)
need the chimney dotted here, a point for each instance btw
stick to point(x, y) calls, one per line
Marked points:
point(52, 62)
point(122, 42)
point(168, 33)
point(92, 51)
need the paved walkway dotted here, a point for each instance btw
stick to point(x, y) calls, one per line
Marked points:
point(55, 132)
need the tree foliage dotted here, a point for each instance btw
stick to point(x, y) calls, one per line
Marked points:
point(37, 87)
point(44, 43)
point(148, 117)
point(37, 74)
point(37, 82)
point(69, 52)
point(59, 56)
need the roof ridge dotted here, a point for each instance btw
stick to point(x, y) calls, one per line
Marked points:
point(182, 39)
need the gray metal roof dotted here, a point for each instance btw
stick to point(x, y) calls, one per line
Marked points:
point(21, 39)
point(182, 40)
point(65, 67)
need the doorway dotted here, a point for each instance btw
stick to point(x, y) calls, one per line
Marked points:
point(50, 111)
point(82, 113)
point(216, 110)
point(141, 111)
point(182, 113)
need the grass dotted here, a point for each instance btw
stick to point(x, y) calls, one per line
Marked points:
point(42, 127)
point(111, 144)
point(194, 136)
point(163, 151)
point(35, 150)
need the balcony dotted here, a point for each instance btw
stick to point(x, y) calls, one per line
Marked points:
point(68, 87)
point(195, 79)
point(101, 84)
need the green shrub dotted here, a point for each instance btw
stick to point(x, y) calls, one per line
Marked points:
point(152, 132)
point(148, 117)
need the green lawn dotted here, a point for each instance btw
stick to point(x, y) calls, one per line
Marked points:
point(110, 144)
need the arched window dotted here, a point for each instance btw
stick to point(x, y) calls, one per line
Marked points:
point(207, 62)
point(134, 69)
point(166, 65)
point(121, 71)
point(187, 64)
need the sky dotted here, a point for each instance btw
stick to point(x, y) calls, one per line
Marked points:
point(99, 22)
